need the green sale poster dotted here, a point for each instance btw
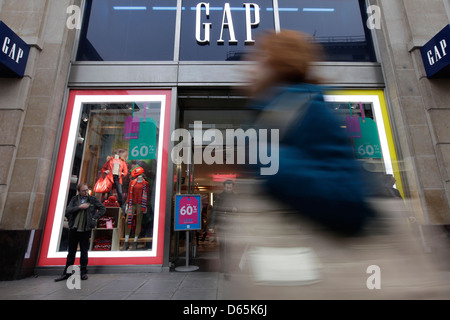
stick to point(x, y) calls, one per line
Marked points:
point(368, 146)
point(144, 148)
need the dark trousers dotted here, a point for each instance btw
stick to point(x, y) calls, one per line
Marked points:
point(76, 238)
point(225, 256)
point(118, 187)
point(224, 249)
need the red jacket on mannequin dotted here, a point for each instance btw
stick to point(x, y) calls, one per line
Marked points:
point(121, 168)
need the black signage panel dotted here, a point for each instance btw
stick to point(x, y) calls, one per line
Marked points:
point(13, 54)
point(435, 55)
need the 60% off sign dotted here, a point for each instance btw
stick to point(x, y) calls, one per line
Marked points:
point(187, 212)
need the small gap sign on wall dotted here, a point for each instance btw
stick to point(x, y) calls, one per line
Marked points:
point(13, 54)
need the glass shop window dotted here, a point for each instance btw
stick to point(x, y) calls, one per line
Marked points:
point(116, 154)
point(339, 26)
point(359, 122)
point(222, 30)
point(362, 119)
point(371, 140)
point(132, 30)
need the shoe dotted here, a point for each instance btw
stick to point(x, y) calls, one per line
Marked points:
point(62, 277)
point(134, 246)
point(125, 246)
point(84, 277)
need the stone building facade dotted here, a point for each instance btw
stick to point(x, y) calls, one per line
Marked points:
point(30, 108)
point(419, 106)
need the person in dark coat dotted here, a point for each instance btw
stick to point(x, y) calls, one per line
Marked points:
point(224, 207)
point(82, 213)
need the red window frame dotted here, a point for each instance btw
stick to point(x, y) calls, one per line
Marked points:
point(46, 258)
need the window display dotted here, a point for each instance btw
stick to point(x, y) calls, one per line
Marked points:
point(111, 154)
point(363, 115)
point(114, 143)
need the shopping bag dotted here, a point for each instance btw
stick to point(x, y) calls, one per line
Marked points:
point(279, 266)
point(102, 185)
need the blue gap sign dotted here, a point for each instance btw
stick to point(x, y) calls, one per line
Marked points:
point(435, 55)
point(13, 54)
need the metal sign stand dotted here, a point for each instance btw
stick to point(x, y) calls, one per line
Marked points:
point(187, 267)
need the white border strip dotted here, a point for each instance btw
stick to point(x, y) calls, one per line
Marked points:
point(66, 173)
point(378, 119)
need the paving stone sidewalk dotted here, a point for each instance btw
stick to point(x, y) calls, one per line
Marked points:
point(126, 286)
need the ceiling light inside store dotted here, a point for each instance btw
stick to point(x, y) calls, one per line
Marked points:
point(221, 9)
point(285, 9)
point(164, 8)
point(129, 8)
point(318, 9)
point(224, 177)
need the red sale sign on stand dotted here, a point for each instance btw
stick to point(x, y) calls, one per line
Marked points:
point(188, 212)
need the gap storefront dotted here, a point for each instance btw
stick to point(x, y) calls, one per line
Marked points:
point(144, 68)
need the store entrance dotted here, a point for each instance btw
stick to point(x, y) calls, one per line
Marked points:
point(200, 111)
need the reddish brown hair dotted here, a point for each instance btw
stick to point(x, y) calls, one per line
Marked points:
point(289, 55)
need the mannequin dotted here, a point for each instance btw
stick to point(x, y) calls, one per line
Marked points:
point(115, 168)
point(137, 205)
